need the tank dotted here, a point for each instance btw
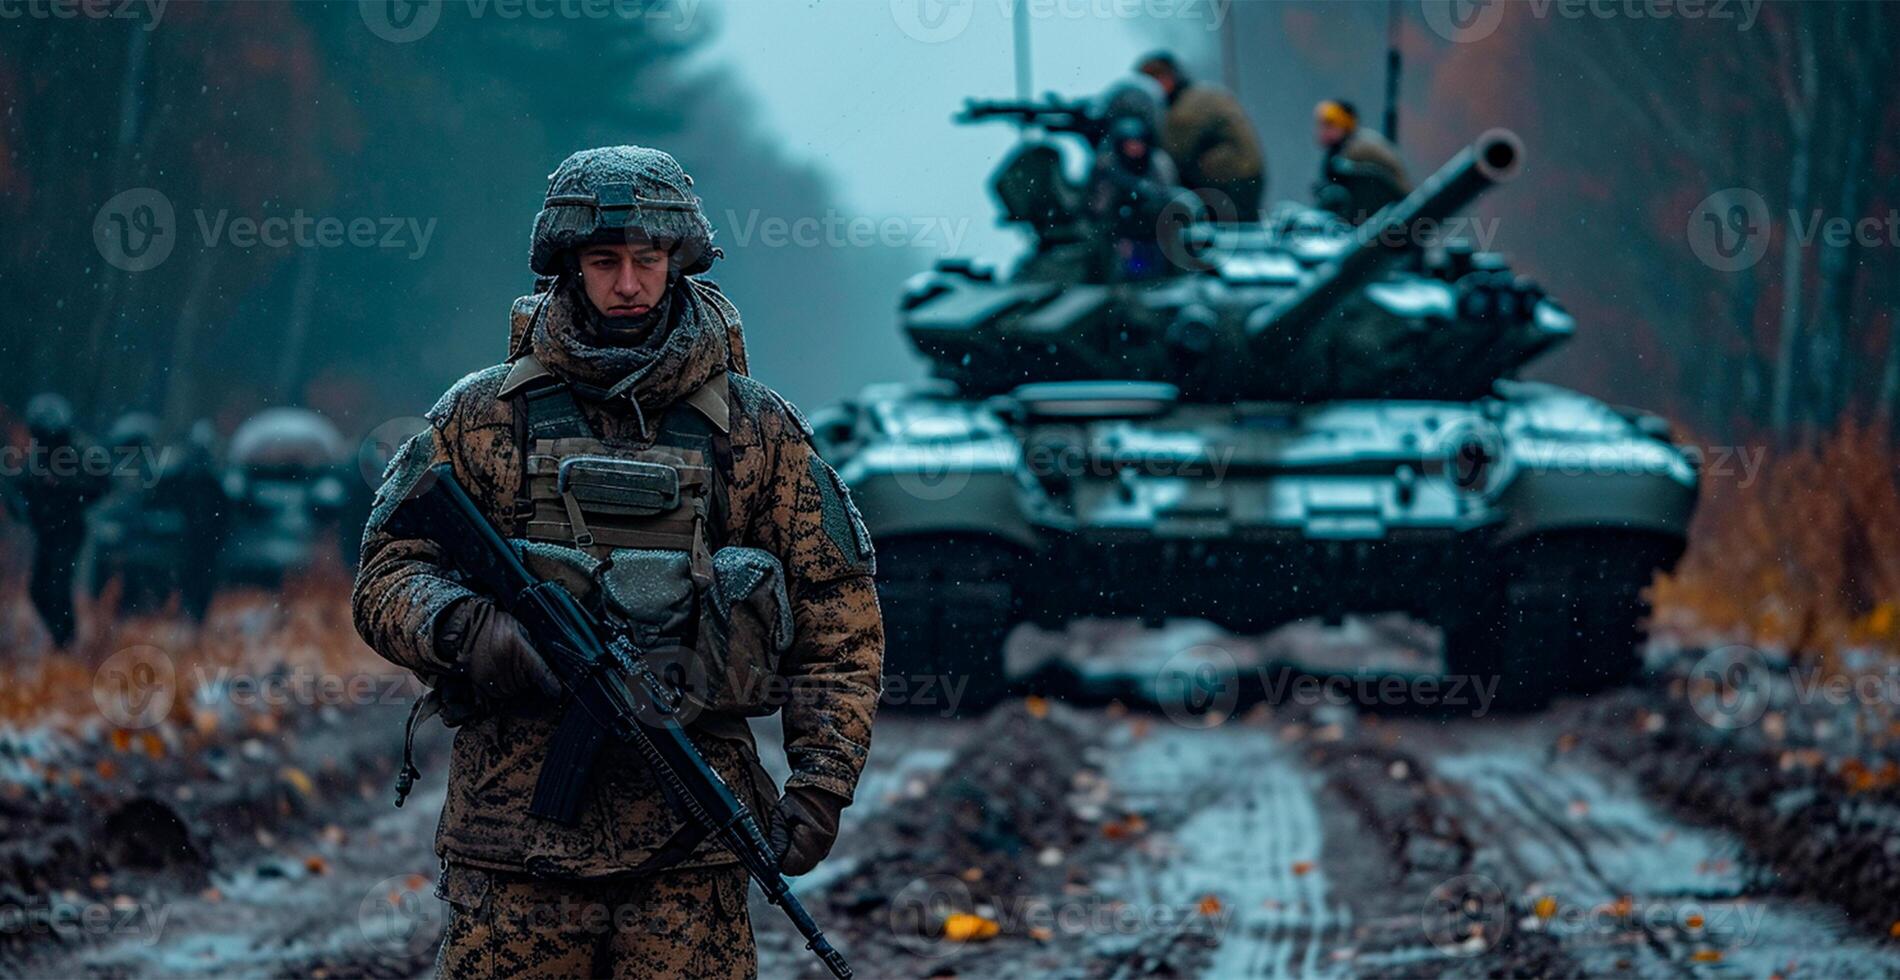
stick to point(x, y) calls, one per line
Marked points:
point(1294, 418)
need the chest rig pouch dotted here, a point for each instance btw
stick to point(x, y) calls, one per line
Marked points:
point(637, 532)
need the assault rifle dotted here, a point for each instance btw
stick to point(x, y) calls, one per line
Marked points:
point(611, 687)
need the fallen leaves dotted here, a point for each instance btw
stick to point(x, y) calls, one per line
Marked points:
point(1859, 777)
point(965, 927)
point(298, 780)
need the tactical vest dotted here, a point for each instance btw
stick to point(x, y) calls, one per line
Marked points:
point(652, 515)
point(622, 525)
point(580, 491)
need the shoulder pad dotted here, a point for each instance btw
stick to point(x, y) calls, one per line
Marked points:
point(755, 399)
point(405, 470)
point(749, 393)
point(797, 416)
point(481, 385)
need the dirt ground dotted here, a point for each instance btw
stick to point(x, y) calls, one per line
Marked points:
point(1302, 823)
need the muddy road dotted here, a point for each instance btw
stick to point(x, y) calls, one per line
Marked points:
point(1161, 818)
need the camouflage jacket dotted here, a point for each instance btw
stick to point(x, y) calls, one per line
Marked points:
point(782, 499)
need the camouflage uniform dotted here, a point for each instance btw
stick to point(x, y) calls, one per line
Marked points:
point(687, 918)
point(678, 924)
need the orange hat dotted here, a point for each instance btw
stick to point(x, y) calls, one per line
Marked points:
point(1336, 114)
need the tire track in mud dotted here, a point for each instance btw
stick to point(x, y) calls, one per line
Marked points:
point(1624, 888)
point(1246, 834)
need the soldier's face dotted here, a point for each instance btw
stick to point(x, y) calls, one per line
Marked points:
point(1162, 76)
point(624, 280)
point(1328, 133)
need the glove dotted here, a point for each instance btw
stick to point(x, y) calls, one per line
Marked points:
point(804, 826)
point(493, 651)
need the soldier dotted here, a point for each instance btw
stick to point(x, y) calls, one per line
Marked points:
point(1361, 172)
point(1131, 183)
point(1209, 137)
point(623, 446)
point(191, 491)
point(132, 542)
point(61, 480)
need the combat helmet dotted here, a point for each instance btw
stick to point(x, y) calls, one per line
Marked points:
point(49, 415)
point(611, 192)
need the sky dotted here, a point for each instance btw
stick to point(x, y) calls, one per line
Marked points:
point(866, 88)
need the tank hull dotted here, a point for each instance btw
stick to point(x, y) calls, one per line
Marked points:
point(1254, 514)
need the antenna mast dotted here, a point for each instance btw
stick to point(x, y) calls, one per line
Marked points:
point(1229, 55)
point(1024, 83)
point(1392, 68)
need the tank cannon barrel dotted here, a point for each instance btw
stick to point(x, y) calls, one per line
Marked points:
point(1493, 158)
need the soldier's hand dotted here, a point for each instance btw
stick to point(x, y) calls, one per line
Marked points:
point(804, 825)
point(493, 649)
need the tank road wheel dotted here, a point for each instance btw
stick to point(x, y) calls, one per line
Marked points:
point(948, 604)
point(1565, 616)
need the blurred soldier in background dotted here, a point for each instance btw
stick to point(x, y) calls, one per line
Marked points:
point(57, 486)
point(191, 489)
point(1361, 171)
point(1209, 137)
point(130, 540)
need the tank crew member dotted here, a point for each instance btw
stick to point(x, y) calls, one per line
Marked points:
point(1361, 172)
point(1211, 140)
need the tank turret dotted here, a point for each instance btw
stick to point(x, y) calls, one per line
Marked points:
point(1303, 308)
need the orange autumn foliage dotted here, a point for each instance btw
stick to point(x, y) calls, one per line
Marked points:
point(1805, 557)
point(304, 628)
